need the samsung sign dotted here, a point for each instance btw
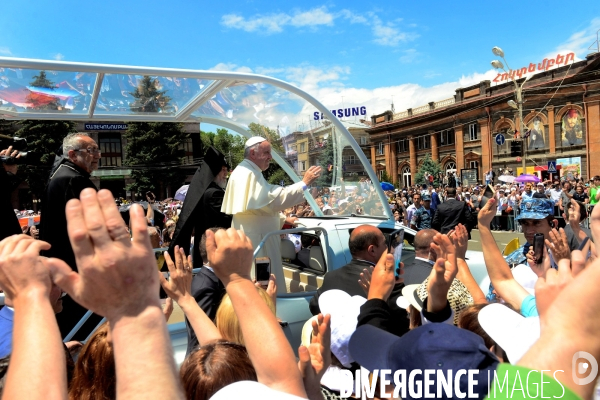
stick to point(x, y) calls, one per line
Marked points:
point(105, 127)
point(343, 112)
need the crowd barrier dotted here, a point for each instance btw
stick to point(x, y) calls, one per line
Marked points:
point(506, 219)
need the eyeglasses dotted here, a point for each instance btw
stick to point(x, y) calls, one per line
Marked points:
point(91, 150)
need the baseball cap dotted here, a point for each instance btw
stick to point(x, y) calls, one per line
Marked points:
point(433, 346)
point(535, 209)
point(509, 329)
point(426, 197)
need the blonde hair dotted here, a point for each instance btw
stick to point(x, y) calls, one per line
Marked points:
point(227, 321)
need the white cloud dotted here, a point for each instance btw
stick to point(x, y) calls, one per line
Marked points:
point(5, 51)
point(231, 67)
point(274, 23)
point(316, 16)
point(59, 56)
point(409, 56)
point(580, 42)
point(387, 34)
point(384, 33)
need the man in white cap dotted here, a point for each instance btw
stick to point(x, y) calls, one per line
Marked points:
point(256, 205)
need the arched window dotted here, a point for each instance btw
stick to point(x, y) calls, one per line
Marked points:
point(450, 167)
point(406, 176)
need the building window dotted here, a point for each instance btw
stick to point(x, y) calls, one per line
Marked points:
point(302, 147)
point(446, 137)
point(424, 142)
point(380, 148)
point(351, 160)
point(302, 165)
point(450, 167)
point(474, 164)
point(188, 151)
point(402, 145)
point(363, 140)
point(472, 131)
point(110, 148)
point(406, 177)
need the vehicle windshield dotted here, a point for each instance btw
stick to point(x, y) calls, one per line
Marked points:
point(302, 131)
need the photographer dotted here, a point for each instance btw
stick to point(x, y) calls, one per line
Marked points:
point(8, 182)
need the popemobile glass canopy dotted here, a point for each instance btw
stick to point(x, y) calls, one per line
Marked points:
point(59, 90)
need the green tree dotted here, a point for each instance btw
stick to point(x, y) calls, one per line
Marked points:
point(44, 139)
point(325, 160)
point(385, 177)
point(153, 150)
point(430, 166)
point(231, 145)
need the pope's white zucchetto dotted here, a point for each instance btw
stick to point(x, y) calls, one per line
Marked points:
point(254, 140)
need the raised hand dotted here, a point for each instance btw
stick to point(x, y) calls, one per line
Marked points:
point(230, 254)
point(316, 358)
point(443, 273)
point(311, 174)
point(179, 285)
point(117, 275)
point(383, 278)
point(22, 270)
point(558, 244)
point(487, 213)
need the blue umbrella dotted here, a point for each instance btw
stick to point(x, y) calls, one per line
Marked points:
point(387, 186)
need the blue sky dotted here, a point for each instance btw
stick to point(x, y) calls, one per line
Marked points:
point(365, 52)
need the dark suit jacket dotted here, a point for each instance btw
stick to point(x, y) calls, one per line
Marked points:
point(449, 214)
point(417, 272)
point(346, 279)
point(10, 223)
point(67, 183)
point(208, 291)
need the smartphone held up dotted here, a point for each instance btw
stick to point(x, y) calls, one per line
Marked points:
point(395, 244)
point(262, 270)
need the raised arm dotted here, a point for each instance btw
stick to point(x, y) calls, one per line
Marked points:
point(179, 287)
point(498, 270)
point(117, 279)
point(37, 366)
point(460, 239)
point(230, 255)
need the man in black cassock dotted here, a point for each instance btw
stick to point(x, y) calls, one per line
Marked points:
point(201, 211)
point(72, 175)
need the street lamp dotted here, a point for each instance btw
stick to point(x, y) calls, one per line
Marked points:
point(518, 95)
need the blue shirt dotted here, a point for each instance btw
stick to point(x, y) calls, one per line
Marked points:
point(6, 330)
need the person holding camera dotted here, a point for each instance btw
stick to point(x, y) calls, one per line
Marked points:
point(81, 156)
point(8, 182)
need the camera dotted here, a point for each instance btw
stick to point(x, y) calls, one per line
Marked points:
point(19, 144)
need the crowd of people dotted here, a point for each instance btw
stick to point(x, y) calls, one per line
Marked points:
point(536, 316)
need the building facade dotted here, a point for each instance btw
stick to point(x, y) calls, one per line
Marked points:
point(471, 132)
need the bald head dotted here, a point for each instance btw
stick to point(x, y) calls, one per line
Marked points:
point(422, 242)
point(367, 242)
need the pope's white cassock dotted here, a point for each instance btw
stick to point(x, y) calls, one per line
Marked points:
point(256, 207)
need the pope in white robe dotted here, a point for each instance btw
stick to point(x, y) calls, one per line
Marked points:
point(256, 205)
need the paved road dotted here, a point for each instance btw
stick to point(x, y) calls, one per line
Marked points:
point(502, 238)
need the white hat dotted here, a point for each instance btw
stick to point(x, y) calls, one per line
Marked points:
point(251, 390)
point(344, 311)
point(512, 331)
point(254, 140)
